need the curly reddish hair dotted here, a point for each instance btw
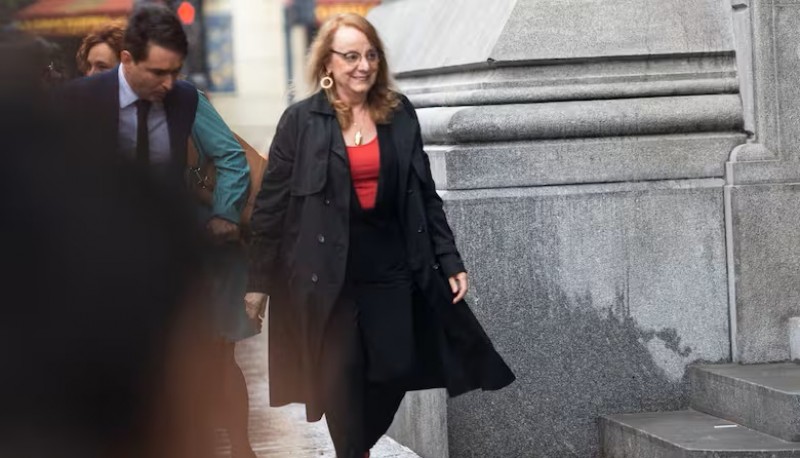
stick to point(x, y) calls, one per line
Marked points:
point(111, 35)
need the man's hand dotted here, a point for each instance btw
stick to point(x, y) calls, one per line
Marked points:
point(459, 285)
point(254, 305)
point(222, 230)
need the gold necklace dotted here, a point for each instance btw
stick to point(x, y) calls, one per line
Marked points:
point(358, 138)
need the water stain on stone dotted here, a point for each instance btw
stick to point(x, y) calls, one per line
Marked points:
point(585, 364)
point(673, 341)
point(575, 359)
point(670, 337)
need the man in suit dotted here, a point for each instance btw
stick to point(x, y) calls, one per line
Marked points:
point(140, 110)
point(141, 113)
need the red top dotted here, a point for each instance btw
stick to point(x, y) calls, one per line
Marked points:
point(365, 166)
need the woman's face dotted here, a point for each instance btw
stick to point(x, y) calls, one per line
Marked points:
point(353, 64)
point(101, 58)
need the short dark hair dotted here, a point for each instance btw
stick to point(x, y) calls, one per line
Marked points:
point(154, 24)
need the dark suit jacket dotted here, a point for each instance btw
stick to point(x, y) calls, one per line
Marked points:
point(91, 107)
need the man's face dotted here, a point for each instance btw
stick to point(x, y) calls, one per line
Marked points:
point(152, 77)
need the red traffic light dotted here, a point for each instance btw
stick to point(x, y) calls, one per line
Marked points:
point(186, 12)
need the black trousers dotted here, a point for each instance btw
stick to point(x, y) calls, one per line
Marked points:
point(358, 412)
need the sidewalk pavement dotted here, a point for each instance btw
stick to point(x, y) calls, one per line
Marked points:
point(283, 432)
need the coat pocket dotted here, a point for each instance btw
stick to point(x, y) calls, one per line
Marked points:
point(310, 171)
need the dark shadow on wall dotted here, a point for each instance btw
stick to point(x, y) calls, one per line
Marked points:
point(575, 359)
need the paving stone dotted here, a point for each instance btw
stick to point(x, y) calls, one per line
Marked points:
point(283, 432)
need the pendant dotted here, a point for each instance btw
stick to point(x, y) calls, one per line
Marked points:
point(357, 138)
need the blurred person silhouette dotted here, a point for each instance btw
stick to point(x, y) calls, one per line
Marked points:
point(214, 142)
point(101, 341)
point(350, 241)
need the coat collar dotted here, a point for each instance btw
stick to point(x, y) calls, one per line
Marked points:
point(126, 94)
point(402, 126)
point(404, 135)
point(320, 104)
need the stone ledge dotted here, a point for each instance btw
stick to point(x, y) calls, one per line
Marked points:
point(575, 161)
point(538, 94)
point(595, 118)
point(585, 189)
point(611, 77)
point(609, 69)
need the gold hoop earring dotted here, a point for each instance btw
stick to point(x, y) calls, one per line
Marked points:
point(326, 82)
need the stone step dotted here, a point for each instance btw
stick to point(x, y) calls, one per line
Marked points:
point(686, 434)
point(764, 397)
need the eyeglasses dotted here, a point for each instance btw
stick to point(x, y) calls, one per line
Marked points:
point(353, 58)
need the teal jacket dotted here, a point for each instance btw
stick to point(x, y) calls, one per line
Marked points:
point(215, 142)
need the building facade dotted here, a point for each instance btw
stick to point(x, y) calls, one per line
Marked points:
point(622, 180)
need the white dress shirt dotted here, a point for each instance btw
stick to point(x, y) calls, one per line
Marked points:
point(156, 125)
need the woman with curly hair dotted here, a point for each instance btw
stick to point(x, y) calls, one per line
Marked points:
point(99, 51)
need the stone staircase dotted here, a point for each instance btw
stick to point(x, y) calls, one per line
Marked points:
point(738, 411)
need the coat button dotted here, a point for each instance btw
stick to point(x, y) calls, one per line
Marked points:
point(421, 229)
point(327, 201)
point(314, 278)
point(410, 191)
point(321, 238)
point(435, 266)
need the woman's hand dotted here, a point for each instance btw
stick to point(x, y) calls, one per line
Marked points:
point(254, 305)
point(222, 230)
point(459, 285)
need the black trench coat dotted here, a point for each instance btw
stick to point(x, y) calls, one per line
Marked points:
point(299, 254)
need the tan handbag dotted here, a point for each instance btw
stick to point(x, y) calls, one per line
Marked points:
point(203, 177)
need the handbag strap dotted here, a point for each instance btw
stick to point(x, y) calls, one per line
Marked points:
point(194, 167)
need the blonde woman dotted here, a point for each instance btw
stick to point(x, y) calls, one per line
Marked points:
point(351, 243)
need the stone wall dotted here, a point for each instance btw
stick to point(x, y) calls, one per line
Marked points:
point(762, 192)
point(581, 149)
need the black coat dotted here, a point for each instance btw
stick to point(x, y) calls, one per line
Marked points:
point(299, 255)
